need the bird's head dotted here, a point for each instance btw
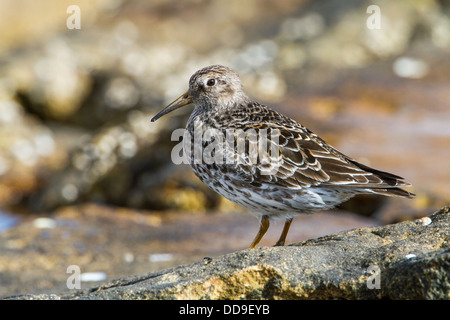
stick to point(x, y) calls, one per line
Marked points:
point(211, 87)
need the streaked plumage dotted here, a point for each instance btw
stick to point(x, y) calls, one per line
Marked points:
point(310, 175)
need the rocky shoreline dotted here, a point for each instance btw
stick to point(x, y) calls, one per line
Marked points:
point(407, 260)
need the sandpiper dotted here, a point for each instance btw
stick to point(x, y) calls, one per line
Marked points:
point(309, 176)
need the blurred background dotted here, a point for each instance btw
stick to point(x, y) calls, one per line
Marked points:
point(86, 179)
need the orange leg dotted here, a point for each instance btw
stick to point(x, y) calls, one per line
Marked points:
point(280, 241)
point(262, 230)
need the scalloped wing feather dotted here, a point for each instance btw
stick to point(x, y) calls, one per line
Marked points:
point(305, 160)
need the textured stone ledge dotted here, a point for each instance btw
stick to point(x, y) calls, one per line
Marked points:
point(408, 260)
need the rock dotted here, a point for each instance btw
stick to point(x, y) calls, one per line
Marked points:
point(27, 151)
point(408, 260)
point(116, 241)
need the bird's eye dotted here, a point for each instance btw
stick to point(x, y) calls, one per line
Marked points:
point(211, 82)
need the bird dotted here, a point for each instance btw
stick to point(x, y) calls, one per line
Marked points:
point(303, 174)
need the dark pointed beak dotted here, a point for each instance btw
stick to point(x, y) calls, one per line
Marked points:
point(185, 99)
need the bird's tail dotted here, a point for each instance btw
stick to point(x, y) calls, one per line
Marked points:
point(392, 192)
point(391, 181)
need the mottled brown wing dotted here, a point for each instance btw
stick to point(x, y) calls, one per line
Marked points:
point(303, 159)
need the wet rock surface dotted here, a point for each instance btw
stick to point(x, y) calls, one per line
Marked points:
point(408, 260)
point(118, 242)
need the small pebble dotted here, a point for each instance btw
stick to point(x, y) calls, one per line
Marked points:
point(424, 221)
point(93, 276)
point(44, 223)
point(128, 257)
point(160, 257)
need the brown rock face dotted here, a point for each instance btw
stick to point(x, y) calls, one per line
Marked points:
point(408, 260)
